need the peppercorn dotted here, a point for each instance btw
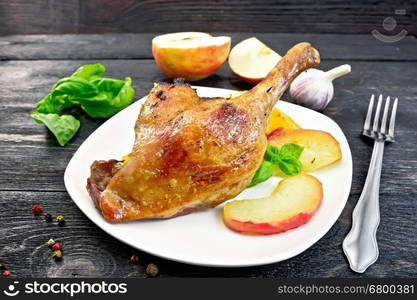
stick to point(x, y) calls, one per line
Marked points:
point(60, 220)
point(57, 246)
point(57, 254)
point(152, 270)
point(6, 273)
point(2, 266)
point(134, 259)
point(48, 217)
point(50, 243)
point(36, 210)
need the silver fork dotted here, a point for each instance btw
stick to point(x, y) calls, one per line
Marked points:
point(360, 245)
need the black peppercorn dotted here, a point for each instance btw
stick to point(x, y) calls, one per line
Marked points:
point(48, 217)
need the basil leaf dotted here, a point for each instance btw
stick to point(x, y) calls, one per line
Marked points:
point(89, 72)
point(74, 88)
point(287, 158)
point(291, 150)
point(46, 106)
point(265, 171)
point(113, 95)
point(290, 166)
point(97, 96)
point(65, 94)
point(272, 154)
point(63, 127)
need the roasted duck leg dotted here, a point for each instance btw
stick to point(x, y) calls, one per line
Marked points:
point(192, 153)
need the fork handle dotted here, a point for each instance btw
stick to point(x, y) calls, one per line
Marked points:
point(360, 245)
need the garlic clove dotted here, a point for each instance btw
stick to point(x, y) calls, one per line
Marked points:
point(314, 88)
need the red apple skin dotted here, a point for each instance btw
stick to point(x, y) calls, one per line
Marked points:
point(275, 133)
point(270, 228)
point(192, 64)
point(305, 208)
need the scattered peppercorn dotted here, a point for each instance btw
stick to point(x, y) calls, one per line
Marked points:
point(50, 243)
point(57, 254)
point(60, 220)
point(152, 270)
point(6, 273)
point(134, 259)
point(36, 209)
point(48, 217)
point(57, 246)
point(2, 266)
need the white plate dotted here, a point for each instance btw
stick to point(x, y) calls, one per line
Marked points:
point(201, 238)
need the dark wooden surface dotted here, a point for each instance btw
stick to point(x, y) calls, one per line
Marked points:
point(139, 16)
point(32, 164)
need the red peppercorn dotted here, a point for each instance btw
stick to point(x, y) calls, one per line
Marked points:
point(56, 246)
point(6, 273)
point(134, 259)
point(36, 209)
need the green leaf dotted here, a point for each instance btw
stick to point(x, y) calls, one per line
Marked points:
point(89, 72)
point(64, 94)
point(74, 88)
point(290, 166)
point(287, 158)
point(97, 96)
point(113, 95)
point(291, 150)
point(63, 127)
point(272, 154)
point(265, 171)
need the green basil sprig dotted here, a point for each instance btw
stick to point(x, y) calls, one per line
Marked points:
point(63, 127)
point(287, 159)
point(99, 97)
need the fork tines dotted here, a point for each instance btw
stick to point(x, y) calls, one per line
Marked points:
point(376, 132)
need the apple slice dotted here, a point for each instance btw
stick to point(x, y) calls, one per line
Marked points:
point(293, 202)
point(252, 60)
point(320, 147)
point(190, 55)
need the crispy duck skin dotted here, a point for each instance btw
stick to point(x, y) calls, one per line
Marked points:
point(192, 153)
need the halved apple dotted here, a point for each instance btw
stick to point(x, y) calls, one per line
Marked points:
point(190, 55)
point(252, 60)
point(294, 201)
point(279, 119)
point(320, 147)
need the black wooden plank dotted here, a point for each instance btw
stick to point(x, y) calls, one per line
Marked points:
point(89, 252)
point(138, 46)
point(34, 161)
point(99, 16)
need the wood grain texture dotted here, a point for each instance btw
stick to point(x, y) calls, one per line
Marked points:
point(138, 46)
point(89, 252)
point(32, 167)
point(103, 16)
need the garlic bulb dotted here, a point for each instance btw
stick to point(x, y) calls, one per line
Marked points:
point(314, 88)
